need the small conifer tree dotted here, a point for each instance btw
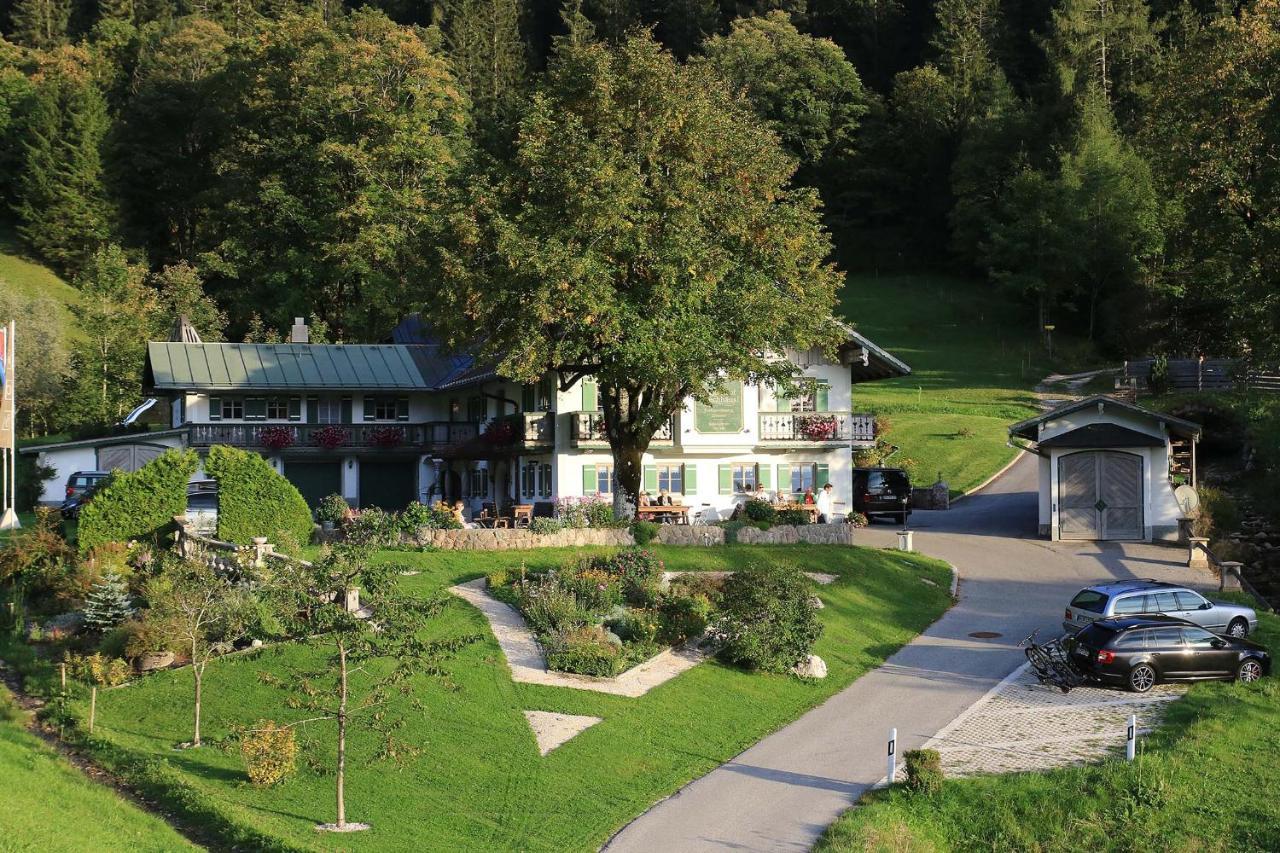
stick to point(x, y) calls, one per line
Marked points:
point(108, 604)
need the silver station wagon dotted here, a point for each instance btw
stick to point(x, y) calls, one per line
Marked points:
point(1150, 597)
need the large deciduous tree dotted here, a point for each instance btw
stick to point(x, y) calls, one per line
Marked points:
point(344, 136)
point(645, 234)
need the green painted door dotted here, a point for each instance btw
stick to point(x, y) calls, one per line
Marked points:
point(391, 484)
point(314, 478)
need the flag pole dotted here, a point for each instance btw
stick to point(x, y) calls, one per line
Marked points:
point(10, 519)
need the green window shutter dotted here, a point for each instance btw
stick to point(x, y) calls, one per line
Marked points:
point(690, 476)
point(589, 395)
point(255, 409)
point(368, 407)
point(528, 401)
point(589, 485)
point(763, 476)
point(651, 478)
point(823, 397)
point(295, 408)
point(784, 478)
point(547, 391)
point(402, 408)
point(821, 475)
point(346, 410)
point(725, 476)
point(312, 414)
point(215, 408)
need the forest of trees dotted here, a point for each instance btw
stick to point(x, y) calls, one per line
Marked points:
point(1112, 165)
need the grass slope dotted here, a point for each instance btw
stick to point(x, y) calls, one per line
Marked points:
point(30, 279)
point(479, 782)
point(974, 361)
point(1207, 780)
point(48, 805)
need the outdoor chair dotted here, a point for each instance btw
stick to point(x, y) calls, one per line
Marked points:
point(522, 515)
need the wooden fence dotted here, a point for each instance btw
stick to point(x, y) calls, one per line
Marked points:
point(1201, 374)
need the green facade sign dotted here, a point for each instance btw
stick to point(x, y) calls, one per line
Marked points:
point(722, 412)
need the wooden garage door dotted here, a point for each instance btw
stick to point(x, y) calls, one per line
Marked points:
point(314, 479)
point(1100, 496)
point(388, 484)
point(127, 457)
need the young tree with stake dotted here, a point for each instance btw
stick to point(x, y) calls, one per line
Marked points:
point(367, 659)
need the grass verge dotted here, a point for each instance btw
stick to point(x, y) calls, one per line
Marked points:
point(479, 782)
point(1206, 780)
point(48, 805)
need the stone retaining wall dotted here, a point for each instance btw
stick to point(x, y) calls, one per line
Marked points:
point(689, 534)
point(519, 539)
point(786, 534)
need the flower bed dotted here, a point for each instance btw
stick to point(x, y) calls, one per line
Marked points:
point(601, 615)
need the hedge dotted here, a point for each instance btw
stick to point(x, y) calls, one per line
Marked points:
point(253, 500)
point(139, 504)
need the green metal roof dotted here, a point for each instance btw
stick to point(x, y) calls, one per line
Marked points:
point(280, 367)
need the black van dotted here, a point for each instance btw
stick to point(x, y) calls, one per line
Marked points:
point(882, 492)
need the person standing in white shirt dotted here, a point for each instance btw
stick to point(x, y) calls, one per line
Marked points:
point(826, 504)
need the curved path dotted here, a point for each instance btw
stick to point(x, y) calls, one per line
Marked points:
point(783, 792)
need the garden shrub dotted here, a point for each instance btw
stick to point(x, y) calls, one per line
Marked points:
point(924, 771)
point(731, 529)
point(757, 510)
point(548, 606)
point(766, 621)
point(374, 526)
point(270, 753)
point(254, 500)
point(639, 570)
point(599, 513)
point(98, 668)
point(418, 515)
point(857, 519)
point(333, 508)
point(595, 589)
point(544, 526)
point(572, 512)
point(1218, 516)
point(586, 650)
point(139, 504)
point(707, 585)
point(683, 617)
point(638, 626)
point(793, 516)
point(108, 603)
point(644, 532)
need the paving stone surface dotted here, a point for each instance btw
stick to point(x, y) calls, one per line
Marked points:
point(1023, 725)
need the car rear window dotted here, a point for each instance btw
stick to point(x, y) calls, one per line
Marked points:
point(204, 500)
point(1091, 600)
point(1095, 636)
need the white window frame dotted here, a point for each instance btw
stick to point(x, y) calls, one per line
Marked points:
point(743, 477)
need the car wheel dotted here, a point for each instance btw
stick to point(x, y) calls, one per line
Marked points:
point(1239, 628)
point(1249, 670)
point(1142, 678)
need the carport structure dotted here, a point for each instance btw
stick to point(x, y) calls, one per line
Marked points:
point(1108, 469)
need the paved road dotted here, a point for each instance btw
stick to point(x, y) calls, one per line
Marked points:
point(783, 792)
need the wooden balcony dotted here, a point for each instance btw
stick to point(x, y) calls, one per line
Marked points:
point(586, 429)
point(822, 428)
point(532, 429)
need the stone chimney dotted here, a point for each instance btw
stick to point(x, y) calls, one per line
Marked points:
point(299, 334)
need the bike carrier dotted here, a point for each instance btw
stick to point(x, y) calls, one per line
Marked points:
point(1052, 665)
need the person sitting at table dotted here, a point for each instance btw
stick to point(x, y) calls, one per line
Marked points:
point(644, 499)
point(808, 497)
point(826, 504)
point(459, 515)
point(664, 498)
point(762, 494)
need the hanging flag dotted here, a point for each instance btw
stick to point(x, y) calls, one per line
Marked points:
point(4, 351)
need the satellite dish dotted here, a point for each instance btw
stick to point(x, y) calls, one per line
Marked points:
point(1187, 500)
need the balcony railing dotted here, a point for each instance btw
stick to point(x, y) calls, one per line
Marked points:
point(533, 428)
point(587, 428)
point(818, 427)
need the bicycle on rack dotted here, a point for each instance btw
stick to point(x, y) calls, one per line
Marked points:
point(1051, 663)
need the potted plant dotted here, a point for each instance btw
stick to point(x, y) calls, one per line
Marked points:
point(818, 427)
point(276, 437)
point(332, 511)
point(386, 436)
point(330, 437)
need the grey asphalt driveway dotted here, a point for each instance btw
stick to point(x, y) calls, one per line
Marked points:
point(783, 792)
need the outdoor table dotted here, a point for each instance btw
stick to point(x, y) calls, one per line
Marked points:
point(812, 509)
point(678, 513)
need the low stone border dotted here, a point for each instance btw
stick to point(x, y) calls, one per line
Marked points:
point(817, 577)
point(513, 539)
point(528, 665)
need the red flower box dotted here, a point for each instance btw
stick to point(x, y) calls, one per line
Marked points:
point(818, 427)
point(386, 436)
point(330, 437)
point(276, 437)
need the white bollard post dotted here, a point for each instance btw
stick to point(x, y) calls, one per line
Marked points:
point(893, 755)
point(904, 540)
point(1131, 738)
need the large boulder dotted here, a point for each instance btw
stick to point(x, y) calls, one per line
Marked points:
point(813, 667)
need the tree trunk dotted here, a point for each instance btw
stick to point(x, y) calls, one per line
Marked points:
point(198, 672)
point(628, 476)
point(342, 735)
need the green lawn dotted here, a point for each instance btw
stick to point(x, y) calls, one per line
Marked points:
point(479, 782)
point(1206, 781)
point(29, 279)
point(47, 805)
point(974, 361)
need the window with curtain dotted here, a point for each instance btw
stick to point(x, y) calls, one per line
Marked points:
point(803, 477)
point(604, 479)
point(670, 477)
point(744, 478)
